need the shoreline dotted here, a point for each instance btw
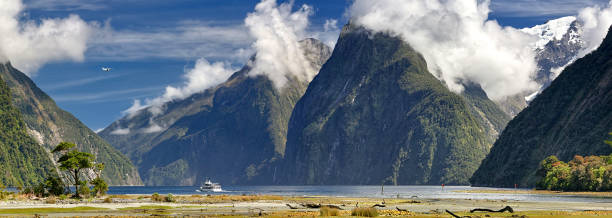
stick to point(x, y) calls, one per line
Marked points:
point(137, 205)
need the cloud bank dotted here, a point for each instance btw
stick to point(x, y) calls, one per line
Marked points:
point(458, 42)
point(28, 45)
point(277, 30)
point(596, 22)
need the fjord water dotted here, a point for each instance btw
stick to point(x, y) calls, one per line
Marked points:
point(422, 192)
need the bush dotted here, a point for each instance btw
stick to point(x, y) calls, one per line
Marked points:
point(169, 198)
point(364, 211)
point(108, 200)
point(156, 197)
point(99, 187)
point(3, 193)
point(27, 191)
point(83, 191)
point(63, 197)
point(55, 186)
point(327, 211)
point(39, 190)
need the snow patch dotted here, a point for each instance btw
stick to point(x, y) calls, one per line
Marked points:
point(551, 30)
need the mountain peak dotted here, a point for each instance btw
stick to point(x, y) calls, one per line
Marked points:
point(553, 30)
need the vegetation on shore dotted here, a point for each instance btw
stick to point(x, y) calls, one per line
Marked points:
point(590, 173)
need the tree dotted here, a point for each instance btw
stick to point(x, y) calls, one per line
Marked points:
point(73, 161)
point(55, 186)
point(100, 186)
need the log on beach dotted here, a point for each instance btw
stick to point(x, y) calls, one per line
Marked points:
point(507, 208)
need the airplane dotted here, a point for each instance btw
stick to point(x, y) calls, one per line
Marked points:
point(106, 69)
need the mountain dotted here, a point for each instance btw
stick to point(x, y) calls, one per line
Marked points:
point(23, 161)
point(50, 125)
point(571, 117)
point(559, 42)
point(230, 133)
point(375, 114)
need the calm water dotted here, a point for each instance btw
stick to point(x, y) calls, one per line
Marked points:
point(360, 191)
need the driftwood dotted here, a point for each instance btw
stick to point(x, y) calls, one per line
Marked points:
point(457, 216)
point(507, 208)
point(379, 205)
point(313, 206)
point(291, 207)
point(401, 210)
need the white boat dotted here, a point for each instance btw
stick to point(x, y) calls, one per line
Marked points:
point(209, 186)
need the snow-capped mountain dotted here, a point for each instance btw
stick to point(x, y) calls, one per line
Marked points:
point(559, 42)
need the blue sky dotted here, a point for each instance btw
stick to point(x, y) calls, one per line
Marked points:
point(156, 40)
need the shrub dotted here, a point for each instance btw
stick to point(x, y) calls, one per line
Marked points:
point(55, 186)
point(84, 191)
point(63, 197)
point(99, 187)
point(39, 190)
point(327, 211)
point(27, 191)
point(108, 200)
point(364, 211)
point(156, 197)
point(169, 198)
point(3, 193)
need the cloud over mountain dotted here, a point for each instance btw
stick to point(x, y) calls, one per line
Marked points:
point(458, 42)
point(30, 44)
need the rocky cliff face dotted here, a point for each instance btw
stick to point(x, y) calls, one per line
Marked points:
point(24, 162)
point(231, 132)
point(570, 117)
point(50, 125)
point(375, 114)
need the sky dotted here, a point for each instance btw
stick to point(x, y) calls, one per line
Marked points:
point(152, 44)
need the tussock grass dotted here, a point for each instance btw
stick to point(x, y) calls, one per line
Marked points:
point(327, 211)
point(364, 211)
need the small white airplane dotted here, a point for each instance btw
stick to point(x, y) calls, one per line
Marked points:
point(106, 69)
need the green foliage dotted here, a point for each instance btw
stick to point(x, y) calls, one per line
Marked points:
point(156, 197)
point(3, 193)
point(39, 190)
point(169, 198)
point(63, 147)
point(74, 161)
point(99, 187)
point(41, 114)
point(23, 162)
point(55, 186)
point(591, 173)
point(365, 212)
point(83, 190)
point(609, 142)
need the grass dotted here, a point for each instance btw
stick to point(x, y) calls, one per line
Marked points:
point(148, 207)
point(327, 211)
point(542, 192)
point(49, 210)
point(364, 211)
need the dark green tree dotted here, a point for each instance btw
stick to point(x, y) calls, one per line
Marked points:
point(55, 186)
point(73, 161)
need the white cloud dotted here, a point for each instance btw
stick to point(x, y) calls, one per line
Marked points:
point(277, 30)
point(153, 128)
point(596, 22)
point(330, 33)
point(29, 44)
point(457, 41)
point(204, 75)
point(120, 131)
